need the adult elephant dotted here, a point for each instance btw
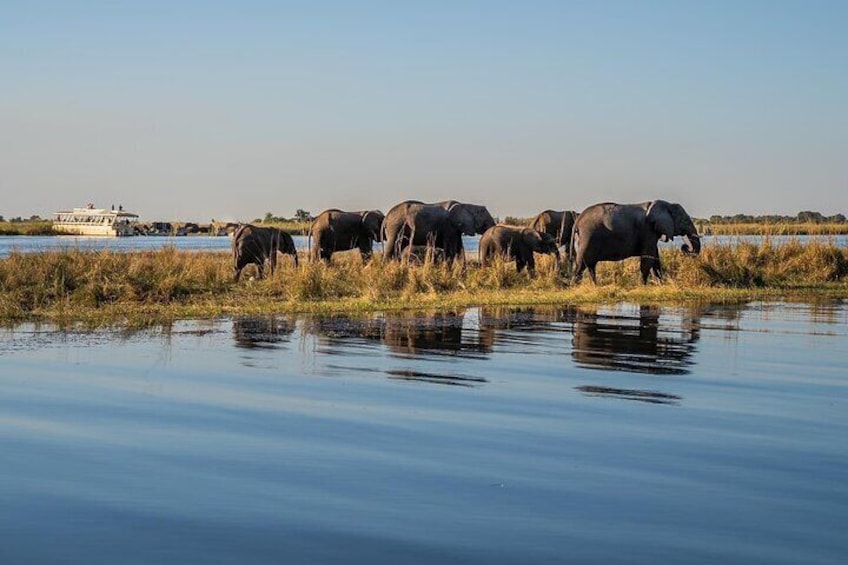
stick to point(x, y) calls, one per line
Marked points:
point(256, 245)
point(612, 232)
point(334, 230)
point(558, 224)
point(397, 238)
point(437, 227)
point(518, 244)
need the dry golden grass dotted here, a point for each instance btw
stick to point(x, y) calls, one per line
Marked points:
point(27, 228)
point(167, 282)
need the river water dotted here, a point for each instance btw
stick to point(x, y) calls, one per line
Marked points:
point(29, 244)
point(620, 434)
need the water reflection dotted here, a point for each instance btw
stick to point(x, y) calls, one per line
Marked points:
point(113, 451)
point(639, 344)
point(649, 396)
point(404, 334)
point(266, 332)
point(630, 338)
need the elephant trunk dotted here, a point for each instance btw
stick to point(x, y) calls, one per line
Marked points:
point(692, 244)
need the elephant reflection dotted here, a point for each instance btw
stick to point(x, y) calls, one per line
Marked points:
point(433, 333)
point(407, 333)
point(505, 323)
point(261, 331)
point(640, 345)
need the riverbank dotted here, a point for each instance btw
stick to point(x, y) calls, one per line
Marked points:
point(45, 227)
point(27, 228)
point(104, 286)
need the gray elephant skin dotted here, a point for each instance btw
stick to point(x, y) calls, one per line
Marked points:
point(613, 232)
point(559, 224)
point(396, 230)
point(335, 230)
point(437, 227)
point(518, 244)
point(256, 245)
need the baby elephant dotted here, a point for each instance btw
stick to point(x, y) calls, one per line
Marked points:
point(335, 230)
point(515, 243)
point(256, 245)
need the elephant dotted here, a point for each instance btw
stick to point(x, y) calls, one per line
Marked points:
point(252, 244)
point(434, 226)
point(396, 238)
point(557, 223)
point(613, 232)
point(516, 243)
point(334, 230)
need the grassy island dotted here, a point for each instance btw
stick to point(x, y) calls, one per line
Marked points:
point(111, 286)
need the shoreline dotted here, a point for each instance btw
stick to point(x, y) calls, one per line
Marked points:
point(667, 294)
point(166, 284)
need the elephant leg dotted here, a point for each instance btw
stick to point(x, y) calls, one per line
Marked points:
point(579, 267)
point(520, 264)
point(366, 249)
point(327, 254)
point(389, 246)
point(260, 268)
point(658, 270)
point(531, 264)
point(592, 274)
point(395, 244)
point(645, 266)
point(237, 273)
point(272, 263)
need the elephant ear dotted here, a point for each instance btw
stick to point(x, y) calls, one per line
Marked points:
point(483, 219)
point(372, 221)
point(533, 237)
point(462, 219)
point(661, 220)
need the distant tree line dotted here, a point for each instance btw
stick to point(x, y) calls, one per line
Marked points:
point(514, 221)
point(300, 216)
point(19, 219)
point(805, 217)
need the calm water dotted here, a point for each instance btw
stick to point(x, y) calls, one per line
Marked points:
point(624, 434)
point(29, 244)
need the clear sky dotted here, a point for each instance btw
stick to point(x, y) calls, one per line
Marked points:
point(227, 110)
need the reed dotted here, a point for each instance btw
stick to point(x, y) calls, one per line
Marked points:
point(766, 229)
point(167, 282)
point(27, 228)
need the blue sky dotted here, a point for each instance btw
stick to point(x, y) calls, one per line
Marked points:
point(209, 109)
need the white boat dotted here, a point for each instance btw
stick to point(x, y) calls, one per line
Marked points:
point(96, 221)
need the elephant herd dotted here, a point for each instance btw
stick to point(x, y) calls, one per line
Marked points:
point(602, 232)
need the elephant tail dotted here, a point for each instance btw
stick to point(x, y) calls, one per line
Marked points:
point(285, 245)
point(236, 244)
point(293, 249)
point(309, 240)
point(572, 250)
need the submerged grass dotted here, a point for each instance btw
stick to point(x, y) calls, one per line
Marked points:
point(166, 283)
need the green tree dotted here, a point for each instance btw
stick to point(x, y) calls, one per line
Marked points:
point(303, 215)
